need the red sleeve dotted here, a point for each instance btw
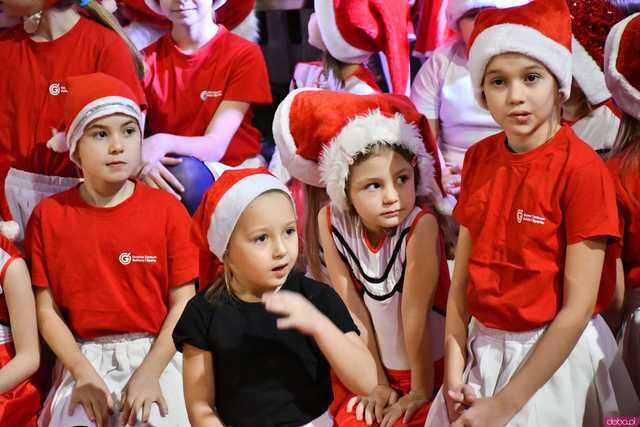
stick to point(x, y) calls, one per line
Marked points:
point(249, 81)
point(34, 250)
point(589, 203)
point(182, 255)
point(116, 60)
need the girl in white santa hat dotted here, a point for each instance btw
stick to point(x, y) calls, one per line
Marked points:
point(621, 71)
point(383, 253)
point(260, 341)
point(525, 343)
point(113, 268)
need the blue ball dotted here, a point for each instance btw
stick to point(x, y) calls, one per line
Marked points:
point(196, 178)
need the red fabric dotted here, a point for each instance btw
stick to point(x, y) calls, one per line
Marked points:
point(627, 184)
point(233, 12)
point(137, 10)
point(432, 29)
point(210, 268)
point(8, 253)
point(19, 406)
point(32, 83)
point(549, 17)
point(401, 382)
point(522, 210)
point(110, 270)
point(185, 90)
point(628, 61)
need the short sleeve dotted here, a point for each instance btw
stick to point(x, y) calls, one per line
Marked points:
point(117, 61)
point(249, 81)
point(589, 203)
point(181, 252)
point(425, 91)
point(34, 250)
point(325, 299)
point(193, 326)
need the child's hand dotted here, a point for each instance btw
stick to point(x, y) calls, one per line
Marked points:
point(139, 394)
point(484, 412)
point(458, 398)
point(372, 407)
point(92, 393)
point(299, 313)
point(407, 405)
point(452, 179)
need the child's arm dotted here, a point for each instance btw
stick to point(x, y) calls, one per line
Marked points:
point(209, 148)
point(583, 268)
point(24, 329)
point(345, 352)
point(143, 388)
point(421, 280)
point(383, 394)
point(90, 390)
point(199, 387)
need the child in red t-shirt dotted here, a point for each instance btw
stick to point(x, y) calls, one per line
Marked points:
point(524, 342)
point(54, 42)
point(20, 399)
point(622, 80)
point(113, 267)
point(201, 86)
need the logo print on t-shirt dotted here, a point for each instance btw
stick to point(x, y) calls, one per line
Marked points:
point(210, 94)
point(126, 258)
point(522, 216)
point(56, 89)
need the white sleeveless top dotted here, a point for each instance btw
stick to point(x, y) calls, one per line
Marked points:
point(381, 271)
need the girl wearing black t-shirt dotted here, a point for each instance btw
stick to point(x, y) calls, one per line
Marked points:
point(259, 344)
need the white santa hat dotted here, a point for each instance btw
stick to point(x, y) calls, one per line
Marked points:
point(456, 9)
point(223, 203)
point(540, 29)
point(89, 97)
point(622, 64)
point(318, 133)
point(353, 30)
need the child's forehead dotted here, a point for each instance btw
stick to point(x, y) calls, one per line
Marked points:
point(116, 119)
point(512, 62)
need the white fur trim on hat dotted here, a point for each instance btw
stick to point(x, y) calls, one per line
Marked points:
point(456, 9)
point(588, 74)
point(302, 169)
point(9, 229)
point(248, 28)
point(356, 136)
point(624, 94)
point(101, 107)
point(231, 205)
point(332, 38)
point(516, 38)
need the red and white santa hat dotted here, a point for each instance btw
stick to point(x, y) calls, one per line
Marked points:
point(318, 133)
point(238, 16)
point(352, 30)
point(540, 29)
point(591, 22)
point(622, 64)
point(456, 9)
point(90, 97)
point(223, 203)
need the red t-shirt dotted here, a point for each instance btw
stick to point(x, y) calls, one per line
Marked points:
point(32, 79)
point(522, 210)
point(185, 90)
point(110, 269)
point(628, 195)
point(8, 253)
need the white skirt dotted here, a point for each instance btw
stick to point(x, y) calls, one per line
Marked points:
point(629, 338)
point(115, 358)
point(24, 190)
point(592, 382)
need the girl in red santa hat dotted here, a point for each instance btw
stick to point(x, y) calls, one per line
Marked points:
point(259, 342)
point(202, 85)
point(383, 254)
point(54, 42)
point(621, 71)
point(525, 343)
point(111, 279)
point(20, 399)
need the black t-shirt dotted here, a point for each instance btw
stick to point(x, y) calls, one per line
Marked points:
point(264, 376)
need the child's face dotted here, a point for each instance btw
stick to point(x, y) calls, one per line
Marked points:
point(522, 96)
point(315, 38)
point(187, 12)
point(264, 245)
point(109, 149)
point(382, 190)
point(20, 8)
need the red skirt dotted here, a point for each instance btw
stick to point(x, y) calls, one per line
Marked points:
point(19, 406)
point(400, 382)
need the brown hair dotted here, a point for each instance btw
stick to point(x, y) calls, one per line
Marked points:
point(333, 66)
point(220, 290)
point(627, 146)
point(314, 199)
